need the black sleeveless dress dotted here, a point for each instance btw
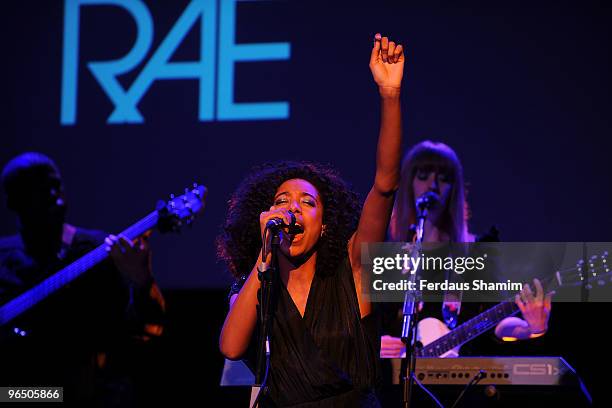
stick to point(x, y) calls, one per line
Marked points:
point(329, 357)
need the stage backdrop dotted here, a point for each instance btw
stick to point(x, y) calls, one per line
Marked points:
point(138, 99)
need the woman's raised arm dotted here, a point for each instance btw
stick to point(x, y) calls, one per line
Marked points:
point(387, 66)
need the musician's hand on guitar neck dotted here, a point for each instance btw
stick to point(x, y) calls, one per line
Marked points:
point(132, 259)
point(535, 308)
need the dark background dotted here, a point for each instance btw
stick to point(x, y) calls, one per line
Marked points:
point(520, 90)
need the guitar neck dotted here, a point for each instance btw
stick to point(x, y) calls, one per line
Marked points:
point(44, 289)
point(469, 330)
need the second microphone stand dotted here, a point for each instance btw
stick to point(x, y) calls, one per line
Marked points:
point(410, 317)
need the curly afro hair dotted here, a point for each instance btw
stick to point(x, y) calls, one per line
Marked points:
point(239, 242)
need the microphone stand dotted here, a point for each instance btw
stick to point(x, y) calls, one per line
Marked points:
point(411, 315)
point(267, 273)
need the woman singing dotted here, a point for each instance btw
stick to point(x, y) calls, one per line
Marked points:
point(324, 338)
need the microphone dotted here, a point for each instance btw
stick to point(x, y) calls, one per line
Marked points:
point(427, 201)
point(277, 223)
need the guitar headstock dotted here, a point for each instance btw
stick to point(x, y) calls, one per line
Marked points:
point(182, 210)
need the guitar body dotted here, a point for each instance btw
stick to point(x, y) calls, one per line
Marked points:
point(431, 329)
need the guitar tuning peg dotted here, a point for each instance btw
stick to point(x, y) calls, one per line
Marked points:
point(19, 332)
